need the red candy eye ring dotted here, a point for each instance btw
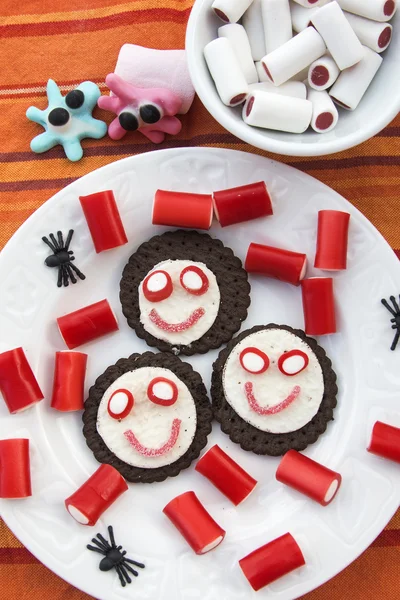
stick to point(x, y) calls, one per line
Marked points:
point(120, 404)
point(157, 286)
point(162, 391)
point(194, 280)
point(293, 362)
point(254, 361)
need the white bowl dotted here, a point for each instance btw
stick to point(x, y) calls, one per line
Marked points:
point(379, 106)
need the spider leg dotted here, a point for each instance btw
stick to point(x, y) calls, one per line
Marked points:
point(387, 305)
point(50, 245)
point(100, 545)
point(70, 273)
point(120, 575)
point(111, 534)
point(77, 271)
point(93, 549)
point(128, 568)
point(60, 240)
point(53, 239)
point(69, 238)
point(125, 573)
point(133, 562)
point(65, 276)
point(396, 306)
point(60, 273)
point(105, 542)
point(395, 341)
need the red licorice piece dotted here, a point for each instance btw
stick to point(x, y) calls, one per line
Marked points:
point(192, 520)
point(15, 471)
point(69, 381)
point(308, 477)
point(272, 561)
point(293, 362)
point(157, 286)
point(226, 475)
point(182, 209)
point(194, 280)
point(104, 220)
point(87, 324)
point(243, 203)
point(333, 232)
point(385, 441)
point(17, 382)
point(162, 391)
point(254, 360)
point(97, 494)
point(318, 305)
point(120, 404)
point(277, 263)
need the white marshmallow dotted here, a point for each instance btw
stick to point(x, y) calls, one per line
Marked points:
point(277, 23)
point(294, 56)
point(352, 83)
point(373, 34)
point(301, 17)
point(338, 36)
point(323, 73)
point(252, 22)
point(225, 70)
point(377, 10)
point(274, 111)
point(237, 36)
point(324, 113)
point(295, 89)
point(230, 11)
point(311, 3)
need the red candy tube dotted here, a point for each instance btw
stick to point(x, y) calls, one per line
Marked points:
point(226, 475)
point(104, 221)
point(308, 477)
point(318, 305)
point(87, 324)
point(272, 561)
point(15, 472)
point(69, 381)
point(181, 209)
point(243, 203)
point(17, 382)
point(385, 441)
point(277, 263)
point(97, 494)
point(192, 520)
point(333, 232)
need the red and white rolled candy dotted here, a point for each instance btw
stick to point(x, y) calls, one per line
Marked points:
point(308, 477)
point(294, 56)
point(340, 39)
point(352, 83)
point(225, 70)
point(243, 203)
point(182, 209)
point(385, 441)
point(230, 11)
point(15, 470)
point(373, 34)
point(324, 113)
point(87, 324)
point(272, 561)
point(277, 263)
point(377, 10)
point(17, 382)
point(295, 89)
point(301, 16)
point(311, 3)
point(227, 476)
point(104, 221)
point(69, 381)
point(278, 112)
point(332, 240)
point(194, 523)
point(323, 73)
point(97, 494)
point(252, 22)
point(277, 23)
point(237, 36)
point(318, 306)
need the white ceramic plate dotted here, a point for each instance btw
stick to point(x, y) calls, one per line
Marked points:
point(367, 371)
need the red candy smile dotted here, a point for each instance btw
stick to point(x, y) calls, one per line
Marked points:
point(273, 410)
point(144, 451)
point(176, 327)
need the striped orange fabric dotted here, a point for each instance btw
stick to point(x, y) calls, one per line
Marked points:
point(75, 40)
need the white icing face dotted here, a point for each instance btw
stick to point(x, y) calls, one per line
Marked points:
point(273, 380)
point(147, 417)
point(179, 301)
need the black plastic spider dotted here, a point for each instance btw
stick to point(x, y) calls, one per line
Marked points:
point(114, 558)
point(62, 258)
point(395, 311)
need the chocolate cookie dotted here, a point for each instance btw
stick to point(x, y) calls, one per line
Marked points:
point(184, 292)
point(148, 416)
point(273, 389)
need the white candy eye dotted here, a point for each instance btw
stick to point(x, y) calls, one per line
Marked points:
point(157, 286)
point(194, 280)
point(162, 391)
point(293, 362)
point(254, 360)
point(120, 404)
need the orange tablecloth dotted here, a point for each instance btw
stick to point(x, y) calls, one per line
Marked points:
point(75, 40)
